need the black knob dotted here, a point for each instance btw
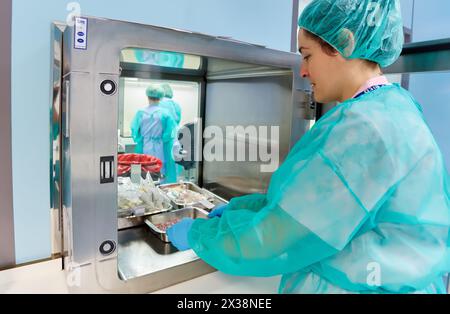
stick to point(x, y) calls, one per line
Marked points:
point(107, 247)
point(108, 87)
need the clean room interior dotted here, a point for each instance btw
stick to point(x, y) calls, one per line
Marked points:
point(81, 212)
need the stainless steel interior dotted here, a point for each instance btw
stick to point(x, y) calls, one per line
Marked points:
point(207, 201)
point(159, 223)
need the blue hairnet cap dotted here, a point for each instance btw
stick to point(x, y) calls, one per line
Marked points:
point(154, 91)
point(168, 92)
point(358, 29)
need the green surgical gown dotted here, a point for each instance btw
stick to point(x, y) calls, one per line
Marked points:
point(360, 205)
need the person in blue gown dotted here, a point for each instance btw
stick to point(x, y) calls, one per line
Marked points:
point(168, 103)
point(175, 110)
point(361, 203)
point(154, 131)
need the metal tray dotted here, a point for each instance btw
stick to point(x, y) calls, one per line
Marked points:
point(154, 222)
point(143, 210)
point(209, 201)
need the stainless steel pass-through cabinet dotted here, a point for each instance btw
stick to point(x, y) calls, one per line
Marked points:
point(101, 69)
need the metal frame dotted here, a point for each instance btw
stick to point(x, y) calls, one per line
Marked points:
point(56, 149)
point(7, 245)
point(295, 6)
point(427, 56)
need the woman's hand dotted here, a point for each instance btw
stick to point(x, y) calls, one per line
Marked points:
point(218, 211)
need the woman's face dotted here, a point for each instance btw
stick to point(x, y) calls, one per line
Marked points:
point(321, 69)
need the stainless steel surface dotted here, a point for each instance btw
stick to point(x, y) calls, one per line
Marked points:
point(168, 188)
point(210, 200)
point(7, 245)
point(91, 117)
point(119, 35)
point(241, 185)
point(141, 253)
point(130, 213)
point(213, 199)
point(81, 174)
point(159, 223)
point(130, 222)
point(67, 107)
point(310, 108)
point(261, 102)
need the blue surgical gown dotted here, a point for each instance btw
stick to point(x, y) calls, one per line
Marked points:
point(173, 107)
point(360, 205)
point(154, 131)
point(175, 111)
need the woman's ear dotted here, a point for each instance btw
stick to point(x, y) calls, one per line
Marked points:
point(346, 41)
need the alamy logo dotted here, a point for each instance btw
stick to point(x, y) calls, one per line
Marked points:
point(374, 274)
point(235, 143)
point(374, 17)
point(74, 9)
point(73, 278)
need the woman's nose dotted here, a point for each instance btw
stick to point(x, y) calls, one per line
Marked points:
point(304, 71)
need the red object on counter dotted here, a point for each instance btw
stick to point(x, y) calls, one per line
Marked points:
point(148, 163)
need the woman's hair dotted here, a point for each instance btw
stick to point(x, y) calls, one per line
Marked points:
point(328, 49)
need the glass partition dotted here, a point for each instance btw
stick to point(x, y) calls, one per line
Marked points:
point(146, 121)
point(167, 59)
point(133, 98)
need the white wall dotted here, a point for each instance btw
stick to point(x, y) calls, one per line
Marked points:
point(266, 22)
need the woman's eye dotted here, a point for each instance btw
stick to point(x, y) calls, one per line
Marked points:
point(306, 58)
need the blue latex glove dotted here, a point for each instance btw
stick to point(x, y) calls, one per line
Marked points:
point(178, 234)
point(218, 211)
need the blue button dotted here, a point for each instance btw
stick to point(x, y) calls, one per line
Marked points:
point(80, 34)
point(81, 41)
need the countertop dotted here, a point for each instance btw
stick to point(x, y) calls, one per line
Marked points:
point(48, 278)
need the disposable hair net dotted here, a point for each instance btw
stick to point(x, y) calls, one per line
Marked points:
point(358, 29)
